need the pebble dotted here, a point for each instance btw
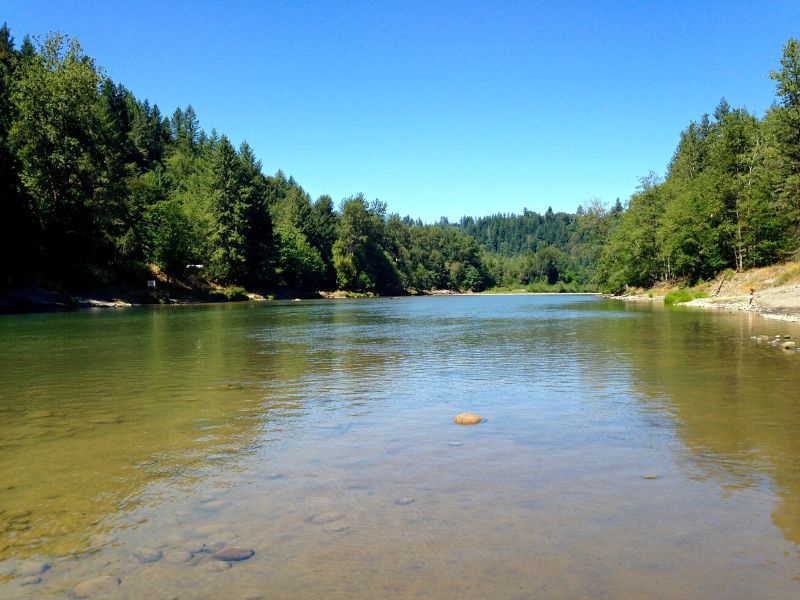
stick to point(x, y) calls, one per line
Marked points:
point(177, 557)
point(147, 555)
point(216, 565)
point(213, 547)
point(104, 584)
point(209, 529)
point(196, 547)
point(404, 501)
point(468, 419)
point(234, 554)
point(29, 569)
point(328, 517)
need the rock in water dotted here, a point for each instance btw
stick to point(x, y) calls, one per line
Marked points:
point(650, 476)
point(325, 518)
point(468, 419)
point(405, 501)
point(788, 345)
point(178, 557)
point(105, 584)
point(234, 554)
point(147, 555)
point(31, 569)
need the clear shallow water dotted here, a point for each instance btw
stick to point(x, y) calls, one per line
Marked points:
point(170, 428)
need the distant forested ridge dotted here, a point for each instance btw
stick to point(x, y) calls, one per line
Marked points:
point(99, 187)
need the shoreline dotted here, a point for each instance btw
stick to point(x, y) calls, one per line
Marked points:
point(40, 300)
point(780, 303)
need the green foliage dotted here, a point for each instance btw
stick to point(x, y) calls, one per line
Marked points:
point(55, 138)
point(95, 183)
point(361, 254)
point(677, 296)
point(167, 237)
point(731, 199)
point(231, 293)
point(682, 295)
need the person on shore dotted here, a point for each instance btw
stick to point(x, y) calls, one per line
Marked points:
point(752, 297)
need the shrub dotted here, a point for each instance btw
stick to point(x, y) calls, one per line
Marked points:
point(677, 296)
point(231, 293)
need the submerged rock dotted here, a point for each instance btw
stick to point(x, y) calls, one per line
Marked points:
point(30, 569)
point(178, 557)
point(405, 501)
point(147, 555)
point(195, 547)
point(468, 418)
point(214, 546)
point(325, 518)
point(105, 584)
point(217, 565)
point(31, 581)
point(234, 554)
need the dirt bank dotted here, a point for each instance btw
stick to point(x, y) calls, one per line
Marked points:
point(776, 292)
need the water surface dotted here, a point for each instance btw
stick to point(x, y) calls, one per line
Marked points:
point(320, 435)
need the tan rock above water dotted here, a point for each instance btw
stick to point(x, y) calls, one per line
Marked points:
point(468, 418)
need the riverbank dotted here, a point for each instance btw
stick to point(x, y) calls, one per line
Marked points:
point(51, 299)
point(776, 292)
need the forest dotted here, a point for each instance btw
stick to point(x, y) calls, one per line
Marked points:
point(99, 187)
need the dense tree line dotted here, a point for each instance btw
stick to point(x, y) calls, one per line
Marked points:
point(548, 249)
point(730, 198)
point(100, 187)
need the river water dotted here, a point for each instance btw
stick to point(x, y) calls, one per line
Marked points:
point(320, 435)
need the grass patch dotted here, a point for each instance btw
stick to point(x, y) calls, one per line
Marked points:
point(678, 296)
point(787, 276)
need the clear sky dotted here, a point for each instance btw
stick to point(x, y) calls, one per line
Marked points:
point(439, 108)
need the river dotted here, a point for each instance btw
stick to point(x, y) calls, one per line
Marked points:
point(136, 442)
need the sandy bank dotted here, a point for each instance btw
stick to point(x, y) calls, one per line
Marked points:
point(777, 293)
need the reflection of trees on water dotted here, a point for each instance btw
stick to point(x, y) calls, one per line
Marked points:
point(734, 404)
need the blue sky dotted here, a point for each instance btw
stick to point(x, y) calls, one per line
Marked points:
point(439, 108)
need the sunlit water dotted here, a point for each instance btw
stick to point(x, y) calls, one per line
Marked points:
point(239, 425)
